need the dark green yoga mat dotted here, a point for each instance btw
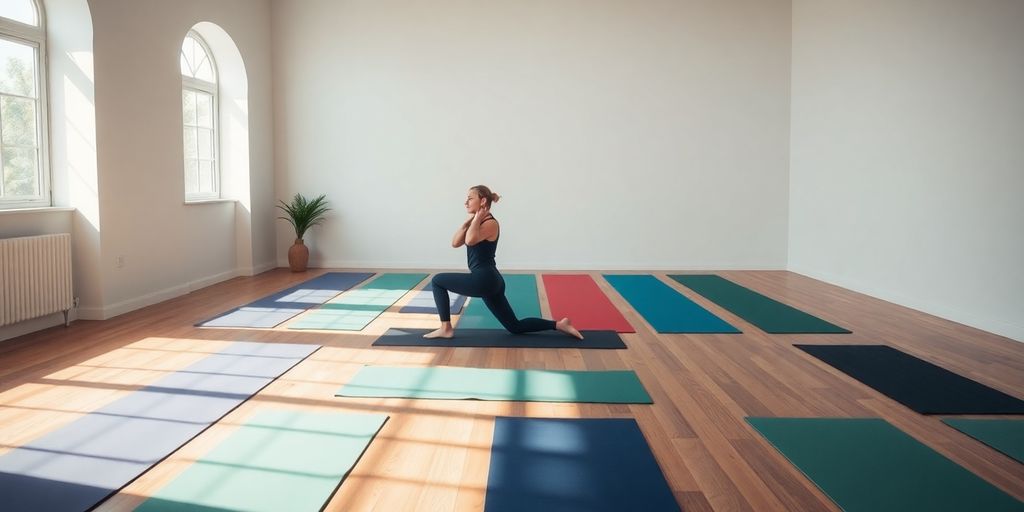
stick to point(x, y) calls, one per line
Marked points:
point(521, 292)
point(866, 464)
point(355, 309)
point(1006, 436)
point(450, 383)
point(278, 460)
point(767, 314)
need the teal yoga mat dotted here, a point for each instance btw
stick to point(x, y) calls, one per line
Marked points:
point(866, 464)
point(449, 383)
point(1006, 436)
point(278, 460)
point(355, 309)
point(521, 291)
point(667, 310)
point(767, 314)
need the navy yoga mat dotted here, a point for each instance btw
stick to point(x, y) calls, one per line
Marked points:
point(917, 384)
point(667, 310)
point(571, 465)
point(496, 338)
point(82, 463)
point(423, 302)
point(274, 309)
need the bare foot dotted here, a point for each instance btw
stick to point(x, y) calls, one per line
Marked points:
point(442, 332)
point(565, 326)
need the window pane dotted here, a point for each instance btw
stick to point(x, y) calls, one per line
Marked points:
point(206, 177)
point(204, 109)
point(188, 101)
point(205, 71)
point(21, 174)
point(205, 144)
point(19, 121)
point(191, 148)
point(17, 69)
point(19, 10)
point(191, 176)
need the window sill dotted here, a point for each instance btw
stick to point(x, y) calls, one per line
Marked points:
point(36, 209)
point(210, 201)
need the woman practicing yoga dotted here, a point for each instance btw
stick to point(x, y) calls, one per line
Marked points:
point(480, 236)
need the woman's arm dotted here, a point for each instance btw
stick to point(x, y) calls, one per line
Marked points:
point(479, 229)
point(460, 236)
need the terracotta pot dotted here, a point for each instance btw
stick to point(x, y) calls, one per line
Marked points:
point(298, 256)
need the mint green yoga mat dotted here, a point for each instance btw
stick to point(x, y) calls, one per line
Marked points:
point(278, 460)
point(767, 314)
point(521, 291)
point(866, 464)
point(449, 383)
point(1006, 436)
point(355, 309)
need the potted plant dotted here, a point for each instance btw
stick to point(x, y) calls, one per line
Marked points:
point(302, 214)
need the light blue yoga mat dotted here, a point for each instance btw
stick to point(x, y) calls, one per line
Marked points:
point(278, 460)
point(355, 309)
point(521, 291)
point(667, 310)
point(82, 463)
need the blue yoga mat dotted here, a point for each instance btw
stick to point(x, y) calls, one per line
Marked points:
point(278, 307)
point(667, 310)
point(423, 302)
point(574, 465)
point(82, 463)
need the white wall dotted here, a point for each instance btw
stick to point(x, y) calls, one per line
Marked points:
point(908, 154)
point(169, 247)
point(646, 134)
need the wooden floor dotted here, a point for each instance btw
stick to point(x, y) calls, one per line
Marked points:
point(434, 454)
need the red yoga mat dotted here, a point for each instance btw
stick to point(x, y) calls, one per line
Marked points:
point(578, 297)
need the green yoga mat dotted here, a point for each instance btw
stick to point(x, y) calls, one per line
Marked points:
point(521, 291)
point(866, 464)
point(1006, 436)
point(448, 383)
point(355, 309)
point(767, 314)
point(278, 460)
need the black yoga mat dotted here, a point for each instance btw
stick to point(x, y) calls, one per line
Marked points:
point(496, 338)
point(919, 385)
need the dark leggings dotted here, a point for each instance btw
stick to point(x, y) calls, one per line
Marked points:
point(490, 286)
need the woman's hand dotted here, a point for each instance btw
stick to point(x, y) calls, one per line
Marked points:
point(482, 213)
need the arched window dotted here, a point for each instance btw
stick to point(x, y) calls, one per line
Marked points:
point(23, 154)
point(200, 108)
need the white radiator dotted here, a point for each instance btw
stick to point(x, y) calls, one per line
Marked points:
point(35, 277)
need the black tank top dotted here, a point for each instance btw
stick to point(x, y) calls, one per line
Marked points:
point(481, 255)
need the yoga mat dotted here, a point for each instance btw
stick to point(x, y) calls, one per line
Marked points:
point(82, 463)
point(274, 309)
point(569, 465)
point(1006, 436)
point(866, 464)
point(354, 310)
point(917, 384)
point(278, 460)
point(496, 338)
point(767, 314)
point(423, 302)
point(579, 298)
point(667, 310)
point(521, 291)
point(449, 383)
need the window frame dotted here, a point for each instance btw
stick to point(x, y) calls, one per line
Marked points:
point(35, 37)
point(189, 83)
